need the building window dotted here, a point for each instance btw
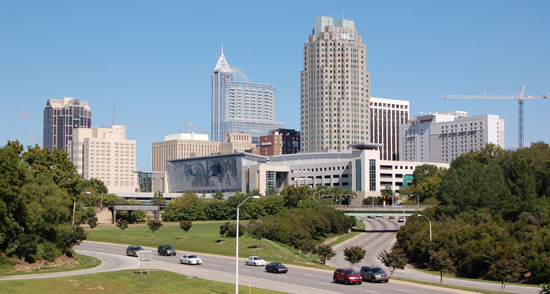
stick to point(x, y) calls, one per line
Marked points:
point(358, 175)
point(372, 176)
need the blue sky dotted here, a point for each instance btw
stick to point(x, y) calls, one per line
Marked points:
point(154, 58)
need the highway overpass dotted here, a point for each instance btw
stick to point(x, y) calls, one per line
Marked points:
point(380, 210)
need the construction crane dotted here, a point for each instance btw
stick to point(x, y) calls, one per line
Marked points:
point(520, 99)
point(190, 125)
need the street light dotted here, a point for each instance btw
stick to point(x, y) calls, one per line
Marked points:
point(237, 246)
point(430, 226)
point(418, 201)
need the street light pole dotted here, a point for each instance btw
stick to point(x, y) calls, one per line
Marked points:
point(237, 246)
point(417, 201)
point(430, 226)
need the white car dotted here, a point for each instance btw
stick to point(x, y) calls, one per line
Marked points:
point(255, 261)
point(190, 259)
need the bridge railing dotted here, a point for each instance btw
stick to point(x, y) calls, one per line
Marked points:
point(381, 207)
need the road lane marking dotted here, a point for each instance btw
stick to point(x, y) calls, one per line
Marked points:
point(401, 290)
point(368, 291)
point(308, 275)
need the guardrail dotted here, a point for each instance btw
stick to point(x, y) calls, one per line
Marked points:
point(381, 207)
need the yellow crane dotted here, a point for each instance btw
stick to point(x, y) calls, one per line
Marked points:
point(520, 99)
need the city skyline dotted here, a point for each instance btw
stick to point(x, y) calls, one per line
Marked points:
point(154, 61)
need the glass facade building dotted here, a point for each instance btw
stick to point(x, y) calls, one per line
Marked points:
point(240, 106)
point(61, 116)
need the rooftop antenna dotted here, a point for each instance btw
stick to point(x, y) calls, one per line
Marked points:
point(114, 112)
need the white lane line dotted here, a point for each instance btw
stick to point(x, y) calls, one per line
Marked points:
point(308, 275)
point(368, 291)
point(245, 270)
point(401, 290)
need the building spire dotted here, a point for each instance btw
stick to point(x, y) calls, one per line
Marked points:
point(222, 65)
point(222, 49)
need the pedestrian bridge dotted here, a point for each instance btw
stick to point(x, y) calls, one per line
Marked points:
point(380, 210)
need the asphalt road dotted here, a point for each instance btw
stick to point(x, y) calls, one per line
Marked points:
point(380, 235)
point(298, 280)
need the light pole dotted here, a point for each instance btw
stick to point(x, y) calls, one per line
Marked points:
point(417, 201)
point(430, 226)
point(237, 246)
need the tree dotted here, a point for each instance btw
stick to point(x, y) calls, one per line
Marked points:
point(256, 230)
point(232, 230)
point(387, 192)
point(122, 224)
point(223, 229)
point(186, 226)
point(158, 200)
point(154, 225)
point(441, 262)
point(506, 270)
point(92, 222)
point(218, 195)
point(545, 288)
point(325, 252)
point(354, 254)
point(395, 259)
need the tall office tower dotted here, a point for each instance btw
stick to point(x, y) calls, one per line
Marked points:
point(442, 137)
point(280, 141)
point(61, 117)
point(334, 88)
point(106, 154)
point(240, 106)
point(182, 145)
point(386, 115)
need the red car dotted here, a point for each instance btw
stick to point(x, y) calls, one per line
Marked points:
point(347, 276)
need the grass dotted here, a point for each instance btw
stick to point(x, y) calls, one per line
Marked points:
point(202, 238)
point(128, 281)
point(84, 263)
point(360, 228)
point(446, 275)
point(450, 286)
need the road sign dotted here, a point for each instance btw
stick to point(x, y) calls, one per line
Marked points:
point(360, 221)
point(144, 256)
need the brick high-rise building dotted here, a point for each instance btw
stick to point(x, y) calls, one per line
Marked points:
point(334, 88)
point(280, 141)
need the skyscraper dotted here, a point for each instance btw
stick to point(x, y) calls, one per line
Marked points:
point(240, 106)
point(61, 117)
point(386, 115)
point(334, 88)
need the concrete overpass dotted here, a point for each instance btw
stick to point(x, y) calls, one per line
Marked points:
point(380, 210)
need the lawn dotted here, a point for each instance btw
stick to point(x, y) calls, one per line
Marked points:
point(128, 281)
point(84, 263)
point(202, 238)
point(359, 229)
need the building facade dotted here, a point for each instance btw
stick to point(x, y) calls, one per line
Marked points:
point(334, 88)
point(236, 143)
point(240, 106)
point(106, 154)
point(151, 181)
point(280, 141)
point(61, 117)
point(182, 145)
point(386, 115)
point(442, 137)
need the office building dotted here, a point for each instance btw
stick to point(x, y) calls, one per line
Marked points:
point(442, 137)
point(280, 141)
point(240, 106)
point(106, 154)
point(237, 142)
point(61, 117)
point(334, 88)
point(386, 115)
point(182, 145)
point(151, 181)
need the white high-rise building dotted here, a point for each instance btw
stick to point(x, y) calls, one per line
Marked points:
point(334, 88)
point(106, 154)
point(240, 106)
point(442, 137)
point(386, 115)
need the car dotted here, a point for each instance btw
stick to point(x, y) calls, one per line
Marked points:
point(190, 259)
point(166, 250)
point(370, 216)
point(391, 217)
point(374, 274)
point(276, 267)
point(255, 261)
point(347, 276)
point(401, 220)
point(133, 250)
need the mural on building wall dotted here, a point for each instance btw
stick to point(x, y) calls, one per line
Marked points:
point(207, 174)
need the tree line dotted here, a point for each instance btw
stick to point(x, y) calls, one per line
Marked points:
point(493, 216)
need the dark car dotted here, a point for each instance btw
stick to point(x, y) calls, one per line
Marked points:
point(133, 250)
point(374, 274)
point(276, 267)
point(166, 250)
point(347, 276)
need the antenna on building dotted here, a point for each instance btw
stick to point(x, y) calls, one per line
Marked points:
point(114, 112)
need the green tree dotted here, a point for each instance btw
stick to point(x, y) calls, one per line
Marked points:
point(441, 262)
point(325, 252)
point(256, 230)
point(232, 230)
point(92, 222)
point(545, 288)
point(219, 195)
point(154, 225)
point(122, 224)
point(506, 270)
point(186, 226)
point(158, 199)
point(354, 254)
point(223, 230)
point(394, 259)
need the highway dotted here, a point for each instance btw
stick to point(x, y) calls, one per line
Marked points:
point(380, 235)
point(298, 280)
